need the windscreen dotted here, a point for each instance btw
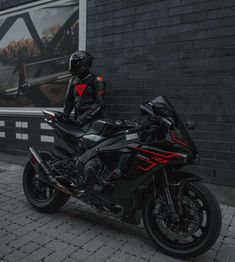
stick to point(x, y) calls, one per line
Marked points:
point(178, 122)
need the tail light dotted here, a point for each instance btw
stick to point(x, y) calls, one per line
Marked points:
point(50, 116)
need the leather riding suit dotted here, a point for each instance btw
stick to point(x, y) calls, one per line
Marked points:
point(86, 96)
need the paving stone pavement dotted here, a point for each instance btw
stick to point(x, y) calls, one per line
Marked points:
point(77, 233)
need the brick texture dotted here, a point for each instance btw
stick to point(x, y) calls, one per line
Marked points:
point(184, 49)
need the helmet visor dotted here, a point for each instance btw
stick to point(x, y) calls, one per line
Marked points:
point(75, 66)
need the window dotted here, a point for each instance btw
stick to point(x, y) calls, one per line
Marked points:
point(36, 41)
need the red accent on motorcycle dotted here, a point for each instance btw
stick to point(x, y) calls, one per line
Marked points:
point(50, 116)
point(178, 140)
point(33, 161)
point(160, 160)
point(156, 159)
point(147, 168)
point(80, 88)
point(168, 155)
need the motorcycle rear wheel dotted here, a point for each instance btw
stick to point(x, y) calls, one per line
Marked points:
point(207, 215)
point(43, 197)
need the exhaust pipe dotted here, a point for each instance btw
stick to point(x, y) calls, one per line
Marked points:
point(40, 165)
point(45, 172)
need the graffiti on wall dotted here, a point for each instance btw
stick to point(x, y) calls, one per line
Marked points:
point(35, 45)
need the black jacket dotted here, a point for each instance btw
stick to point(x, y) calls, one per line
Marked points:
point(86, 97)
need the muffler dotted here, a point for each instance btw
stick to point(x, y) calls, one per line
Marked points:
point(39, 164)
point(45, 172)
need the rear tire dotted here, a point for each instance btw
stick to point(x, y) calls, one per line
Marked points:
point(209, 234)
point(38, 199)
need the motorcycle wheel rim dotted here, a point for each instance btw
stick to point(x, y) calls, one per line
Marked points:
point(38, 191)
point(192, 193)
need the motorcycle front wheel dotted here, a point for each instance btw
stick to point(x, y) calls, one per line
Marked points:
point(195, 231)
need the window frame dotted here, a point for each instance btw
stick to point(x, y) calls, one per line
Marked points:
point(37, 111)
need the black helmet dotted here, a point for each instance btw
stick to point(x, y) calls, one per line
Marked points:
point(80, 62)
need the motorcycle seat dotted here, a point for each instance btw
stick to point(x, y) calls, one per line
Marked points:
point(96, 127)
point(70, 129)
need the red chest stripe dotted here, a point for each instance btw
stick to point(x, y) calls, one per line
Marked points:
point(80, 88)
point(100, 78)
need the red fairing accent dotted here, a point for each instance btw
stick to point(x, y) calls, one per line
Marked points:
point(152, 164)
point(80, 88)
point(100, 78)
point(167, 156)
point(158, 159)
point(177, 141)
point(155, 158)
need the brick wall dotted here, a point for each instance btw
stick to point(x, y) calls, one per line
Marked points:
point(19, 132)
point(184, 49)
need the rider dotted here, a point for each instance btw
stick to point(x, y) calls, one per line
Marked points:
point(85, 90)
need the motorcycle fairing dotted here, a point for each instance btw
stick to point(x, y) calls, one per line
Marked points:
point(123, 190)
point(179, 124)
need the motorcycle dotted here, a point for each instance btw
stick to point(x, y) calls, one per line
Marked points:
point(131, 170)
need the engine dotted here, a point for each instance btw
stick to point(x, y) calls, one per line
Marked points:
point(92, 172)
point(97, 176)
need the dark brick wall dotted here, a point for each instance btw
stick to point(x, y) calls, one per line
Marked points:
point(33, 131)
point(184, 49)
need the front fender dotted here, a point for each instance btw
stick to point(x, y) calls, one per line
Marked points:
point(180, 177)
point(175, 179)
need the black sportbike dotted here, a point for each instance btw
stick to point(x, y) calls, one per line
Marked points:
point(130, 170)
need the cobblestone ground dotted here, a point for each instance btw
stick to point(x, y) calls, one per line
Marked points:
point(77, 233)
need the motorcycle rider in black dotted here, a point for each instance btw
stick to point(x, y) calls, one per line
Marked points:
point(85, 92)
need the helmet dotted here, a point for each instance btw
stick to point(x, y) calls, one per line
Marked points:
point(80, 62)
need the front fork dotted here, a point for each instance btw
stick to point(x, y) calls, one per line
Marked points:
point(175, 214)
point(170, 203)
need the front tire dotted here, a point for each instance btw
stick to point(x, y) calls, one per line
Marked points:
point(41, 196)
point(202, 236)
